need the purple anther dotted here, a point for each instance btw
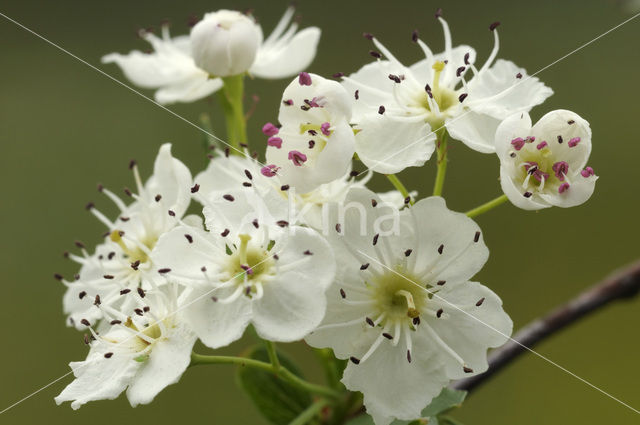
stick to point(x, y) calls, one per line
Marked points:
point(325, 128)
point(574, 142)
point(275, 142)
point(542, 145)
point(560, 168)
point(246, 268)
point(269, 170)
point(297, 157)
point(270, 129)
point(304, 79)
point(517, 143)
point(587, 172)
point(563, 187)
point(314, 102)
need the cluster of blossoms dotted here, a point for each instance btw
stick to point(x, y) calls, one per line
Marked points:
point(297, 246)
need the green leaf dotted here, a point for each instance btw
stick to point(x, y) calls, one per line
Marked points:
point(277, 400)
point(447, 399)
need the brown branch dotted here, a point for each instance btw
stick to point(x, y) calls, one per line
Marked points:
point(624, 283)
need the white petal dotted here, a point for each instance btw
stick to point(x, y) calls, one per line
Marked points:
point(469, 329)
point(170, 63)
point(393, 387)
point(240, 209)
point(578, 193)
point(388, 145)
point(475, 130)
point(373, 86)
point(463, 249)
point(195, 88)
point(516, 125)
point(186, 259)
point(294, 303)
point(168, 359)
point(215, 323)
point(499, 93)
point(280, 60)
point(171, 179)
point(99, 378)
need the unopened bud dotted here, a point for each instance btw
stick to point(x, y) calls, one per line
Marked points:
point(225, 43)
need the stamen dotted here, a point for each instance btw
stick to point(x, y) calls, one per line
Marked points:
point(304, 79)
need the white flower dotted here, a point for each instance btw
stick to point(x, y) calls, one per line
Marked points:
point(301, 208)
point(545, 165)
point(225, 42)
point(249, 267)
point(315, 143)
point(146, 348)
point(171, 68)
point(402, 307)
point(122, 263)
point(444, 89)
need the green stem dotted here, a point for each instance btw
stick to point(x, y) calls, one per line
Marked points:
point(395, 181)
point(283, 373)
point(309, 413)
point(487, 206)
point(230, 97)
point(329, 363)
point(442, 164)
point(273, 355)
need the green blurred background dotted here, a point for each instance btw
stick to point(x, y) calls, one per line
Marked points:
point(64, 128)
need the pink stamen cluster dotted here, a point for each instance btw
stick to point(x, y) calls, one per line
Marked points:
point(297, 157)
point(518, 143)
point(587, 172)
point(560, 168)
point(269, 170)
point(271, 130)
point(304, 79)
point(574, 142)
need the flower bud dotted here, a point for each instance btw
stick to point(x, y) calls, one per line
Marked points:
point(225, 43)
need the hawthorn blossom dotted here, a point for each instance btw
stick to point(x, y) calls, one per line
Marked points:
point(171, 68)
point(225, 42)
point(249, 266)
point(315, 143)
point(444, 90)
point(402, 308)
point(301, 208)
point(145, 348)
point(122, 263)
point(546, 164)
